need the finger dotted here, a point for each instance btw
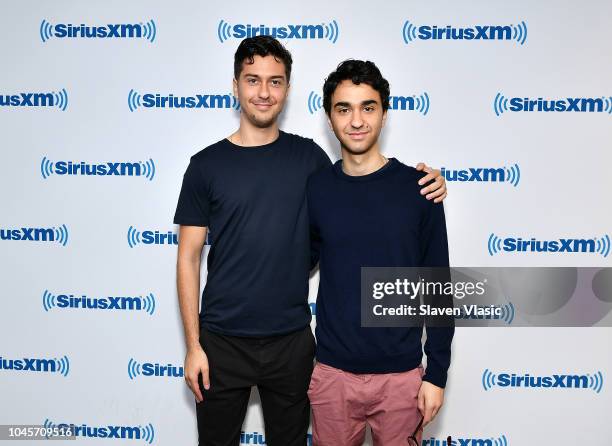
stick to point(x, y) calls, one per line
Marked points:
point(427, 417)
point(424, 167)
point(433, 187)
point(441, 198)
point(434, 412)
point(205, 378)
point(438, 183)
point(427, 178)
point(421, 403)
point(193, 384)
point(436, 193)
point(420, 166)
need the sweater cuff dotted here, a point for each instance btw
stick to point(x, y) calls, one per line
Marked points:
point(436, 377)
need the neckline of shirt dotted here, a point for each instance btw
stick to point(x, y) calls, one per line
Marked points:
point(387, 167)
point(256, 149)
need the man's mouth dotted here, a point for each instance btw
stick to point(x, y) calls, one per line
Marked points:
point(262, 105)
point(357, 135)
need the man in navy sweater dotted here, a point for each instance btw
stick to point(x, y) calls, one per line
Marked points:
point(366, 211)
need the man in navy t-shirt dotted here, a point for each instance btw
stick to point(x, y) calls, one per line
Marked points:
point(249, 190)
point(366, 211)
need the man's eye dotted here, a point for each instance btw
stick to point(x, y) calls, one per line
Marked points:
point(343, 110)
point(368, 108)
point(276, 83)
point(252, 81)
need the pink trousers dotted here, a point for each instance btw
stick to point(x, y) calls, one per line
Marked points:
point(342, 403)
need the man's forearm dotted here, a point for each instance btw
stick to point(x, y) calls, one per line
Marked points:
point(188, 284)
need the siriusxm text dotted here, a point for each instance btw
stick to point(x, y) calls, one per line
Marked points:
point(242, 31)
point(63, 30)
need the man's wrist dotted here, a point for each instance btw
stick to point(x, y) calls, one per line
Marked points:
point(193, 345)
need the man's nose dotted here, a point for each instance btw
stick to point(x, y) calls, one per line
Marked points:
point(264, 91)
point(357, 120)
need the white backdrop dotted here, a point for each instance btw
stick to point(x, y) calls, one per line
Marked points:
point(555, 50)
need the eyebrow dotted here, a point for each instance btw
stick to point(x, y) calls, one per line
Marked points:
point(346, 104)
point(258, 76)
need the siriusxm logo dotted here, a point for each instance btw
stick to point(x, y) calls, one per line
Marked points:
point(417, 103)
point(324, 31)
point(42, 365)
point(466, 441)
point(510, 175)
point(136, 369)
point(412, 32)
point(112, 303)
point(53, 234)
point(252, 438)
point(156, 100)
point(257, 438)
point(595, 245)
point(146, 31)
point(136, 169)
point(136, 237)
point(146, 433)
point(557, 381)
point(44, 99)
point(502, 104)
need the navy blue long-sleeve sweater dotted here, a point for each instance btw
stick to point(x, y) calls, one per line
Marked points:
point(378, 220)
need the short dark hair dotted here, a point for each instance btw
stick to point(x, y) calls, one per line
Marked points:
point(261, 46)
point(357, 71)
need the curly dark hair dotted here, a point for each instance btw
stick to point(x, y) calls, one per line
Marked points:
point(261, 46)
point(357, 71)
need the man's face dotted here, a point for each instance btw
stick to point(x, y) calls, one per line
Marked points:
point(356, 116)
point(262, 89)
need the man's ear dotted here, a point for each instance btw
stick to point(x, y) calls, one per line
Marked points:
point(384, 119)
point(329, 123)
point(235, 87)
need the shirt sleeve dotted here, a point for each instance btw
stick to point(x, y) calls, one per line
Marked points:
point(434, 253)
point(193, 208)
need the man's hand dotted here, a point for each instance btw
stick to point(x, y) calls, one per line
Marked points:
point(196, 362)
point(430, 401)
point(437, 189)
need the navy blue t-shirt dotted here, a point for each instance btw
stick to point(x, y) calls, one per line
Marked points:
point(376, 220)
point(253, 201)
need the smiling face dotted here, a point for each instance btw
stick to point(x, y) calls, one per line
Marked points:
point(356, 116)
point(262, 90)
